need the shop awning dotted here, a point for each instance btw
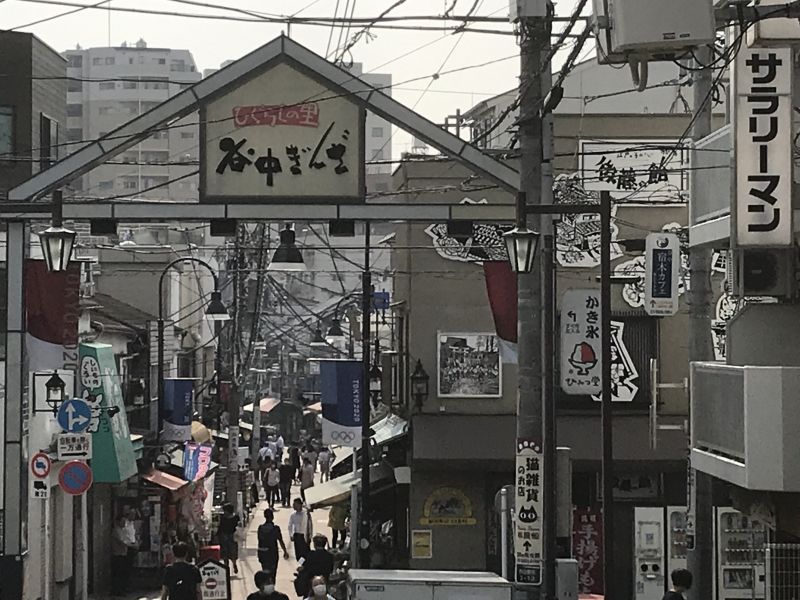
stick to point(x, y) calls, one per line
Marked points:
point(313, 408)
point(386, 430)
point(336, 490)
point(266, 404)
point(165, 480)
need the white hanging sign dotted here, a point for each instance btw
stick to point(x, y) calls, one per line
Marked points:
point(581, 352)
point(662, 265)
point(763, 86)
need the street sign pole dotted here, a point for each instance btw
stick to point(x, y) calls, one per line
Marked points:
point(662, 263)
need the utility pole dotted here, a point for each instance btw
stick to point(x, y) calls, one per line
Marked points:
point(366, 303)
point(234, 400)
point(534, 41)
point(701, 554)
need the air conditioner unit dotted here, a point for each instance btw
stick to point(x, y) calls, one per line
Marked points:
point(654, 27)
point(763, 272)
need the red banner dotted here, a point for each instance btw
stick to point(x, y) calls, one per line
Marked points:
point(501, 285)
point(587, 549)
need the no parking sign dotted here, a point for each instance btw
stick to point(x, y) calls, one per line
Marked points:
point(214, 580)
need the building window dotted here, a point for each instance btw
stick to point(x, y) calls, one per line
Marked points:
point(377, 155)
point(74, 135)
point(161, 61)
point(187, 135)
point(130, 60)
point(97, 61)
point(48, 141)
point(74, 110)
point(109, 60)
point(106, 185)
point(75, 60)
point(6, 129)
point(129, 85)
point(107, 85)
point(377, 132)
point(74, 86)
point(129, 184)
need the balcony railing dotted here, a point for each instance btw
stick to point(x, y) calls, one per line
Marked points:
point(744, 425)
point(710, 196)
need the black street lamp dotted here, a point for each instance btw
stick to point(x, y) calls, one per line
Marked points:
point(287, 256)
point(521, 245)
point(375, 383)
point(56, 391)
point(215, 311)
point(56, 241)
point(419, 385)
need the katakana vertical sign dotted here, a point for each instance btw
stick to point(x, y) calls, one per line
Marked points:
point(763, 200)
point(282, 137)
point(581, 357)
point(662, 266)
point(528, 541)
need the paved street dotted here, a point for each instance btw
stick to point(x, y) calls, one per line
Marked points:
point(242, 584)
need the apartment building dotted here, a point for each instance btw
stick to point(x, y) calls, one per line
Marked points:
point(110, 86)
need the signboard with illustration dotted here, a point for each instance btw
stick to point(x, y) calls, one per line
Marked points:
point(528, 537)
point(469, 365)
point(282, 136)
point(447, 506)
point(581, 352)
point(113, 457)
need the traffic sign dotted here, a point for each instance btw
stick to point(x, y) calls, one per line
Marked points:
point(214, 580)
point(74, 415)
point(75, 478)
point(41, 465)
point(74, 446)
point(40, 489)
point(662, 263)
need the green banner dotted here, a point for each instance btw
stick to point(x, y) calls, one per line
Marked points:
point(113, 459)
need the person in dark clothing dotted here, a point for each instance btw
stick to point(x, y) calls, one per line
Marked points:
point(265, 586)
point(269, 537)
point(286, 478)
point(226, 534)
point(318, 562)
point(294, 456)
point(181, 579)
point(681, 582)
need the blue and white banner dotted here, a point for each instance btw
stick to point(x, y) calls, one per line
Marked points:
point(196, 461)
point(177, 410)
point(341, 387)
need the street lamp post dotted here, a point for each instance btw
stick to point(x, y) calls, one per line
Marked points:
point(521, 244)
point(57, 242)
point(419, 385)
point(215, 311)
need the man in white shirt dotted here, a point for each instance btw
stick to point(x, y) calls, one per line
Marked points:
point(301, 529)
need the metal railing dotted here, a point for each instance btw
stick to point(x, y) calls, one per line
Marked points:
point(718, 409)
point(782, 572)
point(710, 196)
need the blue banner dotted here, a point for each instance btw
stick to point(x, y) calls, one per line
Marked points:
point(177, 410)
point(341, 386)
point(196, 461)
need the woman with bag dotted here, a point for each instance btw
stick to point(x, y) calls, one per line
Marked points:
point(227, 536)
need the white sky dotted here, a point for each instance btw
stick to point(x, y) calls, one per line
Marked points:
point(212, 42)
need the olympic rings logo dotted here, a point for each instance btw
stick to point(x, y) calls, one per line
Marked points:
point(342, 436)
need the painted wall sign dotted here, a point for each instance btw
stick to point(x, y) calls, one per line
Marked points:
point(469, 365)
point(635, 169)
point(763, 146)
point(422, 543)
point(581, 352)
point(282, 136)
point(447, 506)
point(528, 540)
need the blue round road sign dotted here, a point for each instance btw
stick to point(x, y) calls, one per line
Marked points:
point(75, 477)
point(74, 415)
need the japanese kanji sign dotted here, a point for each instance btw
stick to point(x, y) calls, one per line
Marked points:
point(587, 548)
point(282, 137)
point(763, 85)
point(645, 170)
point(528, 485)
point(662, 266)
point(75, 446)
point(581, 356)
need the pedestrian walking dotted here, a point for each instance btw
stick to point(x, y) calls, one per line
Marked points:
point(181, 579)
point(300, 529)
point(310, 453)
point(265, 588)
point(269, 538)
point(325, 459)
point(281, 446)
point(318, 563)
point(306, 478)
point(297, 463)
point(287, 472)
point(123, 544)
point(272, 480)
point(681, 583)
point(319, 589)
point(337, 521)
point(226, 535)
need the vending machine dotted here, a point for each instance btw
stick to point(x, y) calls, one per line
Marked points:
point(659, 548)
point(741, 555)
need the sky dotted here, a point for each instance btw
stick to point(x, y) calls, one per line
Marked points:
point(393, 51)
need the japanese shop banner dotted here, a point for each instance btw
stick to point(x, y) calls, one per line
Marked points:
point(662, 265)
point(196, 461)
point(587, 549)
point(763, 147)
point(528, 540)
point(341, 383)
point(282, 136)
point(636, 170)
point(581, 352)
